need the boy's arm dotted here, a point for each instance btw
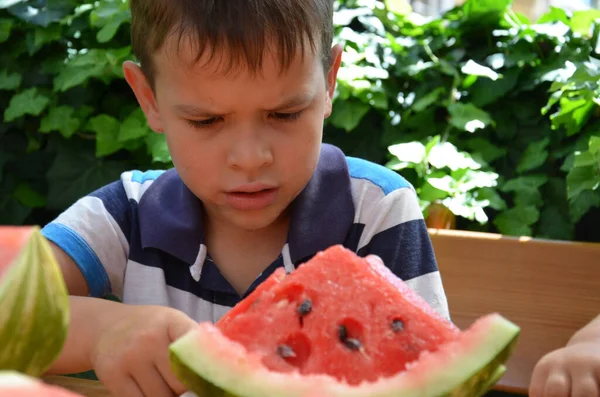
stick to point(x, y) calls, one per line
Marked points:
point(394, 230)
point(90, 243)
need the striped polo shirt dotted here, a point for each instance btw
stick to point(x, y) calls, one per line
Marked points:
point(140, 238)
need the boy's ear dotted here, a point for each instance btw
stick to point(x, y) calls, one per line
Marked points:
point(336, 60)
point(144, 94)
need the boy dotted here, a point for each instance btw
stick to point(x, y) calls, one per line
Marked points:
point(572, 371)
point(240, 89)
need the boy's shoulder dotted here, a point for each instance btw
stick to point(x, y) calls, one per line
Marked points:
point(368, 172)
point(136, 182)
point(366, 181)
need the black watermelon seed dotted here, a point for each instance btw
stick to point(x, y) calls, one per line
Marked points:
point(353, 344)
point(397, 325)
point(342, 333)
point(285, 351)
point(305, 307)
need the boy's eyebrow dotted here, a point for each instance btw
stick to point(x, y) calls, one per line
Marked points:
point(296, 100)
point(194, 110)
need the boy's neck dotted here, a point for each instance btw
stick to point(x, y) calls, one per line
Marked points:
point(241, 255)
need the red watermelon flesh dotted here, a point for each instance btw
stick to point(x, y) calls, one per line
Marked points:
point(14, 384)
point(13, 238)
point(369, 323)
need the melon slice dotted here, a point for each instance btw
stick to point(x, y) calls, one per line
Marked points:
point(343, 326)
point(34, 318)
point(15, 384)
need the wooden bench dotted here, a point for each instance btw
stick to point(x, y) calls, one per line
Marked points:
point(549, 288)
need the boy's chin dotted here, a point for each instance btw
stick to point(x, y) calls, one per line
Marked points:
point(253, 221)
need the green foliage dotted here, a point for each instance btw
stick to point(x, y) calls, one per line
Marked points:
point(481, 109)
point(492, 114)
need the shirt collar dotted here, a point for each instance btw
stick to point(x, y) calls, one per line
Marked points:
point(170, 215)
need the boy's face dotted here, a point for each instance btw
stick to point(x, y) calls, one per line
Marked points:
point(245, 144)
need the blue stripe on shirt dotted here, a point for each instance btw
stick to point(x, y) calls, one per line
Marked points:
point(83, 255)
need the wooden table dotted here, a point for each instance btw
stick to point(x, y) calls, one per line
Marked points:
point(92, 388)
point(85, 387)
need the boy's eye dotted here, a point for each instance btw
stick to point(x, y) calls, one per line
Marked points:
point(287, 116)
point(202, 123)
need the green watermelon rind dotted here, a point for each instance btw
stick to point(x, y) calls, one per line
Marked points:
point(209, 364)
point(34, 320)
point(9, 378)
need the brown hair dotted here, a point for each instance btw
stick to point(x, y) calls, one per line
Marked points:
point(245, 28)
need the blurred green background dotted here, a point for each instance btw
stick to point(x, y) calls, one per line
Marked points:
point(485, 111)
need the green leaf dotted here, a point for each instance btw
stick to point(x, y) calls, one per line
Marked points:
point(554, 224)
point(445, 154)
point(60, 119)
point(11, 211)
point(517, 221)
point(109, 30)
point(486, 91)
point(76, 173)
point(474, 8)
point(107, 134)
point(158, 148)
point(429, 193)
point(468, 117)
point(411, 152)
point(26, 102)
point(10, 81)
point(347, 114)
point(526, 189)
point(554, 15)
point(488, 151)
point(534, 156)
point(103, 64)
point(581, 21)
point(583, 159)
point(398, 7)
point(491, 196)
point(474, 69)
point(428, 99)
point(27, 196)
point(573, 114)
point(134, 126)
point(9, 3)
point(52, 11)
point(580, 179)
point(46, 35)
point(594, 144)
point(5, 28)
point(583, 202)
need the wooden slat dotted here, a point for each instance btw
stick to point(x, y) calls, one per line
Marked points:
point(549, 288)
point(85, 387)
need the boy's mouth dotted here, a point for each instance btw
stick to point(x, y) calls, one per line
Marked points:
point(252, 197)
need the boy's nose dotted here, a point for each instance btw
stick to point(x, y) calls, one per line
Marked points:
point(249, 152)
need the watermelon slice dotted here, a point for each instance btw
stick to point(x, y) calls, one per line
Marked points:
point(15, 384)
point(341, 325)
point(34, 318)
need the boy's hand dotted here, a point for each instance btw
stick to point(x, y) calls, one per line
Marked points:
point(131, 357)
point(572, 371)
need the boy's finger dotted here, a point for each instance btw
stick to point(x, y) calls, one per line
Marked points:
point(179, 324)
point(127, 387)
point(585, 385)
point(151, 382)
point(558, 385)
point(163, 366)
